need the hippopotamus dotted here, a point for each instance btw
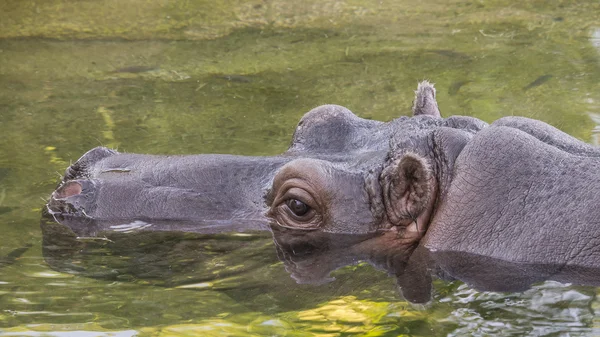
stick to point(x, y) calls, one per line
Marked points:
point(455, 190)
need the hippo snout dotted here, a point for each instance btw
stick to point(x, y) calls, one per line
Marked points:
point(76, 193)
point(74, 197)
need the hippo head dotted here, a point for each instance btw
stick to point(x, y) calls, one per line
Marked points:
point(341, 174)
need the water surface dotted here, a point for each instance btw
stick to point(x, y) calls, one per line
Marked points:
point(234, 77)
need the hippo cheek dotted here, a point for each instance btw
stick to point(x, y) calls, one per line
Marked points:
point(312, 194)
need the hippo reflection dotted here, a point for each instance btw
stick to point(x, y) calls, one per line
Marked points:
point(162, 255)
point(517, 191)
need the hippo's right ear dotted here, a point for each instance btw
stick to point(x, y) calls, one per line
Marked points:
point(408, 187)
point(425, 103)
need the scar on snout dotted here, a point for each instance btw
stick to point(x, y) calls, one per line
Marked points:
point(69, 189)
point(117, 170)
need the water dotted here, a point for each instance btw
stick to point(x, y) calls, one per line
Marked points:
point(205, 77)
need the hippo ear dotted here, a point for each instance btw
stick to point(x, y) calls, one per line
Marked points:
point(425, 103)
point(407, 185)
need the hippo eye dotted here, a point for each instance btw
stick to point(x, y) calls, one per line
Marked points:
point(297, 207)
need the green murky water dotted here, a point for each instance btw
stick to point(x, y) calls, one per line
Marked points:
point(234, 77)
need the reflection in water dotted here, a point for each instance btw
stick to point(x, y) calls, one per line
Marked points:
point(179, 254)
point(538, 81)
point(13, 256)
point(595, 38)
point(546, 300)
point(159, 254)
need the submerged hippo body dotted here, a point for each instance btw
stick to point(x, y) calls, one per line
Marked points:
point(517, 190)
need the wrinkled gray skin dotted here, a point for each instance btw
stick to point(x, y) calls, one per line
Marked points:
point(517, 190)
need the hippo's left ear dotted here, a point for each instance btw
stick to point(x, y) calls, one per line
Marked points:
point(407, 184)
point(425, 103)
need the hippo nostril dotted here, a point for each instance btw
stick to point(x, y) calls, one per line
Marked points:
point(67, 190)
point(75, 197)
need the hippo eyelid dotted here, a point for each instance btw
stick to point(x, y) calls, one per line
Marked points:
point(299, 194)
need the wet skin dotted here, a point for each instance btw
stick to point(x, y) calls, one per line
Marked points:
point(517, 191)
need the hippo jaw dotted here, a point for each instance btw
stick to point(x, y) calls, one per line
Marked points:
point(310, 194)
